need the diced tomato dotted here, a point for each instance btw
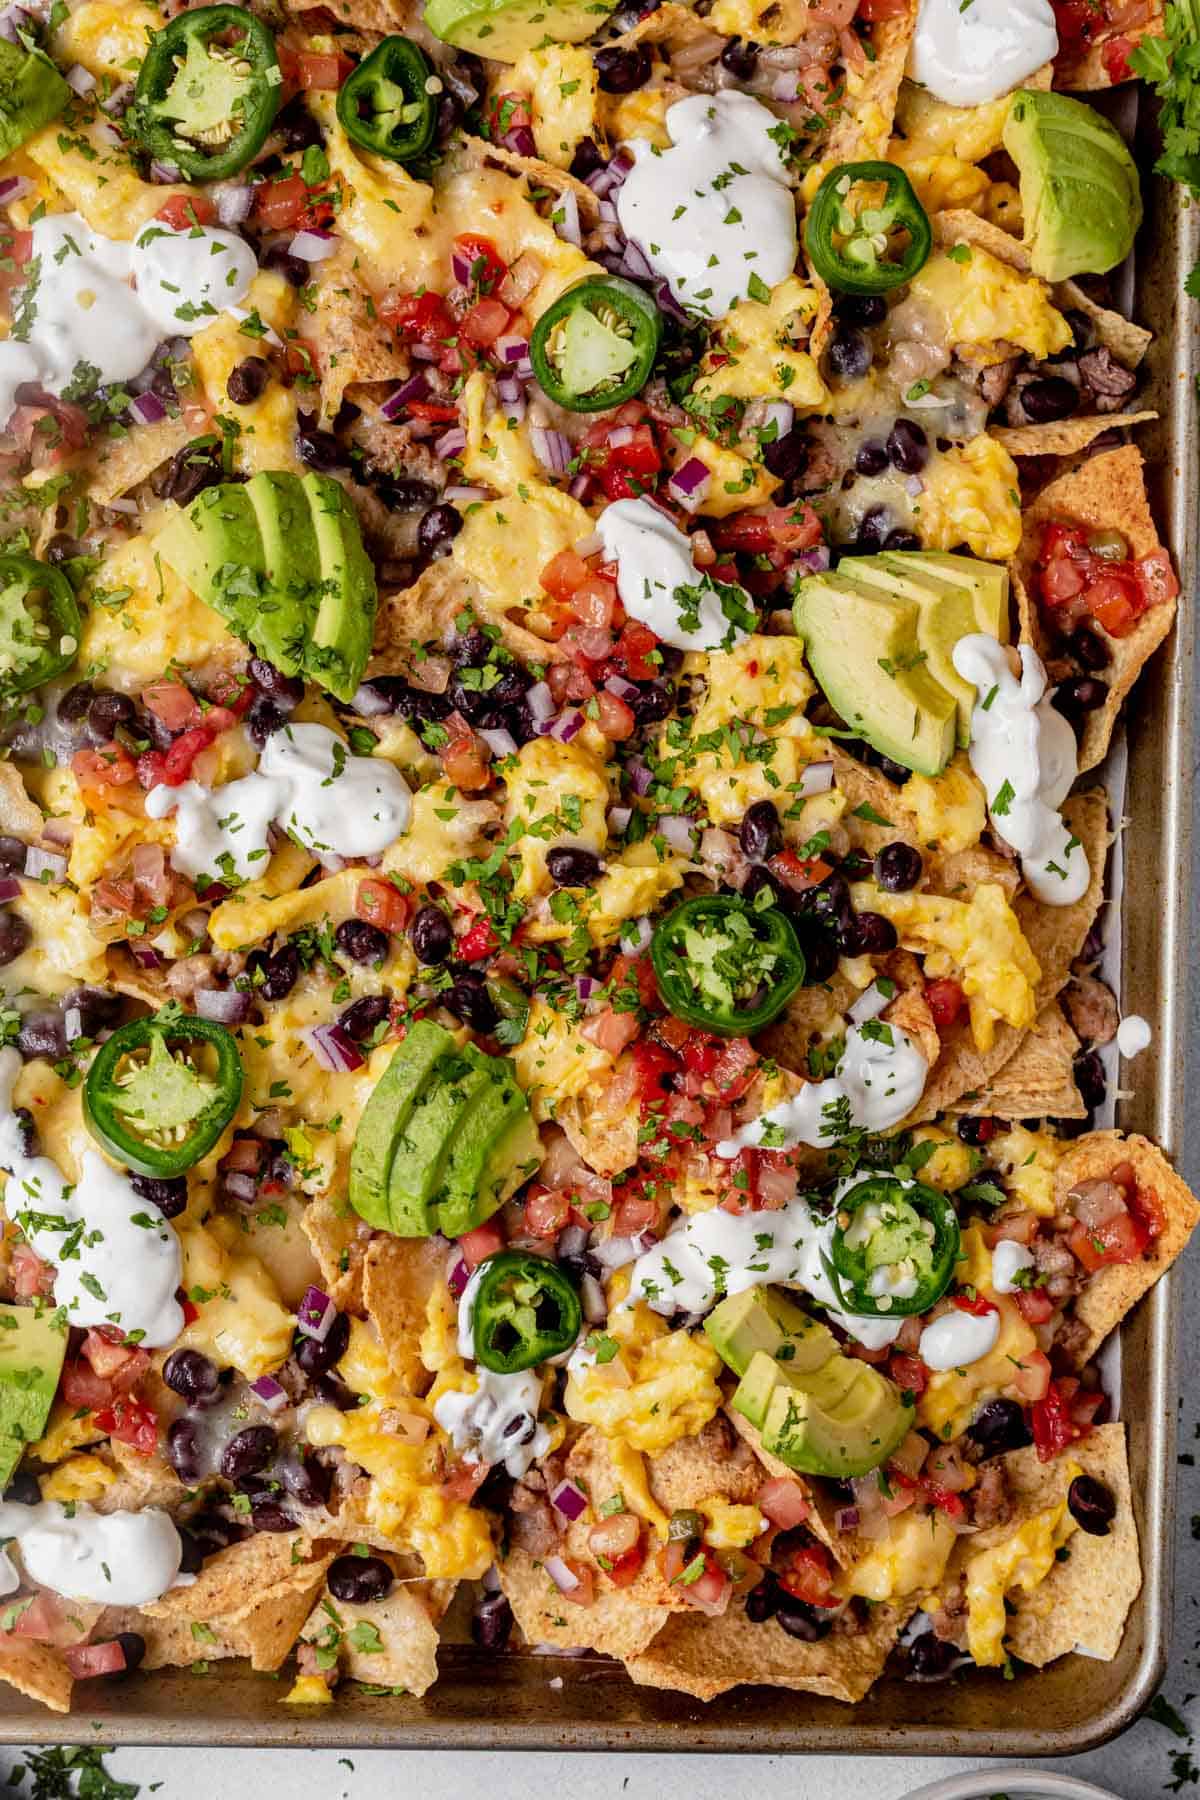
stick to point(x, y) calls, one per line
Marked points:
point(465, 761)
point(707, 1589)
point(908, 1371)
point(231, 691)
point(1119, 1240)
point(382, 904)
point(426, 409)
point(172, 703)
point(653, 1064)
point(636, 971)
point(546, 1212)
point(423, 318)
point(81, 1386)
point(308, 69)
point(976, 1304)
point(481, 941)
point(741, 1172)
point(190, 1311)
point(464, 1481)
point(563, 574)
point(927, 1491)
point(1113, 602)
point(735, 1068)
point(1156, 577)
point(799, 872)
point(16, 248)
point(700, 1054)
point(945, 1000)
point(1034, 1305)
point(1146, 1206)
point(42, 1620)
point(611, 1031)
point(1052, 1423)
point(178, 760)
point(783, 1502)
point(100, 769)
point(481, 1243)
point(486, 321)
point(624, 1570)
point(634, 1211)
point(872, 11)
point(30, 1276)
point(807, 1575)
point(1031, 1376)
point(112, 1359)
point(114, 900)
point(1115, 57)
point(584, 1591)
point(615, 719)
point(636, 652)
point(131, 1422)
point(184, 212)
point(87, 1660)
point(485, 263)
point(280, 205)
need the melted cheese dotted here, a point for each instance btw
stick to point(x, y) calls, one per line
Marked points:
point(971, 497)
point(267, 435)
point(506, 543)
point(445, 826)
point(910, 1560)
point(949, 808)
point(555, 794)
point(241, 1321)
point(554, 1061)
point(108, 40)
point(562, 84)
point(94, 179)
point(950, 1401)
point(1022, 1561)
point(151, 619)
point(982, 308)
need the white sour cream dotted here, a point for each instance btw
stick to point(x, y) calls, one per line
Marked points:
point(118, 1261)
point(967, 52)
point(714, 1253)
point(78, 309)
point(115, 1559)
point(661, 586)
point(715, 209)
point(1023, 752)
point(959, 1338)
point(498, 1422)
point(882, 1074)
point(1008, 1260)
point(308, 783)
point(1133, 1035)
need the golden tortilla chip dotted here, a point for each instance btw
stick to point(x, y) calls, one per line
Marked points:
point(593, 1465)
point(124, 463)
point(1038, 1080)
point(425, 612)
point(863, 124)
point(1127, 340)
point(607, 1144)
point(399, 1275)
point(402, 1623)
point(706, 1657)
point(616, 1624)
point(18, 813)
point(171, 1643)
point(809, 1012)
point(142, 1481)
point(957, 875)
point(349, 343)
point(127, 976)
point(37, 1671)
point(714, 1465)
point(670, 23)
point(953, 873)
point(376, 17)
point(1065, 436)
point(1103, 493)
point(338, 1239)
point(252, 1596)
point(1114, 1290)
point(541, 174)
point(1087, 74)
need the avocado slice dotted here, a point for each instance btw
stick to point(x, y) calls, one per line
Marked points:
point(1080, 193)
point(32, 93)
point(215, 546)
point(862, 646)
point(290, 561)
point(32, 1348)
point(386, 1116)
point(486, 1148)
point(345, 620)
point(836, 1424)
point(425, 1143)
point(950, 605)
point(762, 1319)
point(505, 29)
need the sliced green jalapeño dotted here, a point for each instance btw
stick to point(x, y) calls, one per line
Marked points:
point(526, 1311)
point(894, 1248)
point(39, 624)
point(161, 1091)
point(872, 249)
point(725, 965)
point(387, 105)
point(207, 92)
point(595, 346)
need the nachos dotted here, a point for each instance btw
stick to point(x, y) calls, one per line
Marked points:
point(567, 579)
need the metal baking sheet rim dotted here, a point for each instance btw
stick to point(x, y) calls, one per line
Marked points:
point(549, 1703)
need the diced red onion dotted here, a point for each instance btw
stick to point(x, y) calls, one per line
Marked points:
point(490, 1580)
point(784, 85)
point(369, 703)
point(602, 181)
point(636, 934)
point(226, 1005)
point(812, 562)
point(565, 219)
point(870, 1003)
point(315, 1315)
point(512, 349)
point(520, 140)
point(415, 388)
point(423, 352)
point(234, 203)
point(572, 1503)
point(164, 172)
point(313, 246)
point(581, 486)
point(73, 1022)
point(520, 281)
point(572, 1240)
point(589, 545)
point(641, 779)
point(567, 725)
point(240, 1185)
point(145, 955)
point(147, 408)
point(80, 80)
point(845, 1519)
point(585, 986)
point(690, 484)
point(458, 1274)
point(560, 1575)
point(333, 1049)
point(914, 486)
point(781, 414)
point(635, 263)
point(666, 302)
point(499, 741)
point(123, 506)
point(39, 862)
point(512, 398)
point(464, 496)
point(606, 211)
point(623, 689)
point(540, 702)
point(460, 267)
point(614, 1252)
point(268, 1393)
point(451, 443)
point(618, 819)
point(14, 19)
point(10, 889)
point(14, 187)
point(118, 101)
point(816, 779)
point(680, 832)
point(552, 449)
point(620, 436)
point(595, 1306)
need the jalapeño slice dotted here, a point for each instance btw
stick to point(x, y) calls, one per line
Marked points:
point(207, 92)
point(596, 345)
point(386, 104)
point(894, 1248)
point(725, 965)
point(872, 249)
point(39, 624)
point(525, 1311)
point(161, 1091)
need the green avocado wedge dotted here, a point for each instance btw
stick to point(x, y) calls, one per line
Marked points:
point(32, 1348)
point(492, 1152)
point(505, 29)
point(426, 1143)
point(386, 1114)
point(1080, 194)
point(32, 93)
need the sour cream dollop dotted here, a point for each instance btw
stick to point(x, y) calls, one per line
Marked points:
point(1133, 1035)
point(115, 1559)
point(969, 54)
point(499, 1421)
point(715, 209)
point(118, 1261)
point(77, 311)
point(307, 782)
point(1008, 1260)
point(660, 585)
point(882, 1075)
point(1023, 752)
point(959, 1338)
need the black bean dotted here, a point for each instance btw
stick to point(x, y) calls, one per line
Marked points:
point(1089, 1079)
point(469, 1000)
point(470, 648)
point(491, 1622)
point(247, 381)
point(829, 901)
point(569, 866)
point(335, 1392)
point(438, 528)
point(621, 71)
point(315, 1358)
point(873, 527)
point(974, 1131)
point(999, 1425)
point(192, 1552)
point(907, 447)
point(361, 942)
point(98, 1009)
point(280, 971)
point(133, 1646)
point(587, 159)
point(41, 1033)
point(786, 457)
point(107, 711)
point(73, 707)
point(24, 1119)
point(820, 956)
point(898, 867)
point(901, 540)
point(168, 1193)
point(358, 1580)
point(871, 935)
point(849, 354)
point(1083, 694)
point(23, 1489)
point(190, 471)
point(431, 936)
point(871, 457)
point(361, 1018)
point(248, 1451)
point(162, 383)
point(285, 690)
point(269, 1514)
point(15, 936)
point(1049, 397)
point(415, 705)
point(762, 1602)
point(931, 1658)
point(264, 719)
point(183, 1451)
point(12, 856)
point(293, 268)
point(297, 126)
point(212, 1532)
point(1089, 649)
point(862, 309)
point(760, 833)
point(808, 1623)
point(1092, 1505)
point(305, 1479)
point(740, 58)
point(320, 449)
point(191, 1374)
point(653, 701)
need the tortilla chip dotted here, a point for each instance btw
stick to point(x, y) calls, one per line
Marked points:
point(592, 1465)
point(399, 1275)
point(425, 613)
point(376, 17)
point(404, 1622)
point(348, 342)
point(1056, 936)
point(671, 21)
point(616, 1624)
point(863, 124)
point(954, 873)
point(1127, 340)
point(714, 1465)
point(126, 462)
point(171, 1643)
point(18, 813)
point(1065, 437)
point(807, 1014)
point(142, 1481)
point(706, 1657)
point(608, 1145)
point(338, 1239)
point(128, 977)
point(1104, 492)
point(1114, 1290)
point(1038, 1080)
point(1086, 73)
point(38, 1672)
point(958, 874)
point(253, 1597)
point(541, 174)
point(820, 1519)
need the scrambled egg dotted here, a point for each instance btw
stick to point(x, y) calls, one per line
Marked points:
point(80, 1477)
point(63, 950)
point(562, 85)
point(762, 21)
point(979, 942)
point(931, 126)
point(941, 181)
point(971, 496)
point(108, 40)
point(757, 337)
point(950, 808)
point(737, 482)
point(445, 827)
point(555, 1061)
point(141, 616)
point(968, 298)
point(1022, 1561)
point(662, 1385)
point(554, 794)
point(267, 434)
point(952, 1163)
point(81, 172)
point(952, 1397)
point(731, 1527)
point(1027, 1160)
point(910, 1560)
point(506, 543)
point(642, 114)
point(240, 1320)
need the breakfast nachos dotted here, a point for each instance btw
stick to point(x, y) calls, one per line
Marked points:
point(568, 575)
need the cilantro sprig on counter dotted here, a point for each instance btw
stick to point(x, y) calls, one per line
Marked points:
point(1171, 65)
